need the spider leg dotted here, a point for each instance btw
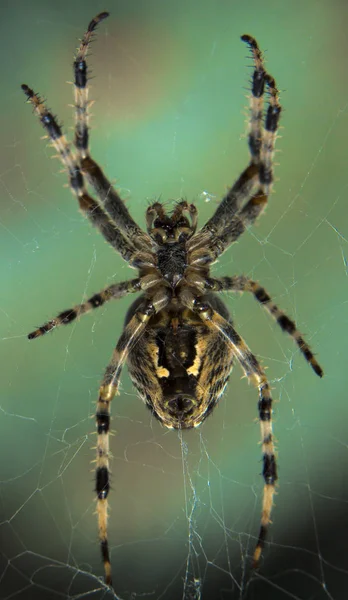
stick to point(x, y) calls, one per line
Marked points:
point(81, 89)
point(204, 250)
point(109, 387)
point(256, 100)
point(233, 200)
point(261, 146)
point(114, 205)
point(240, 283)
point(111, 201)
point(256, 375)
point(88, 205)
point(206, 246)
point(113, 292)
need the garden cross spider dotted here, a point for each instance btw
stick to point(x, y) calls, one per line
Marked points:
point(188, 341)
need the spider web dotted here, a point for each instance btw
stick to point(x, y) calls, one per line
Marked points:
point(185, 508)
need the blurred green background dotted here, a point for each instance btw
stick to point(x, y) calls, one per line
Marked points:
point(170, 80)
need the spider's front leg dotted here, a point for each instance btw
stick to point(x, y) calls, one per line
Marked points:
point(81, 88)
point(109, 387)
point(90, 208)
point(111, 201)
point(205, 247)
point(261, 146)
point(255, 373)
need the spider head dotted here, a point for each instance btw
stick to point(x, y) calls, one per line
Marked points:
point(176, 227)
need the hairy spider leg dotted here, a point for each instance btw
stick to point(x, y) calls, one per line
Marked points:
point(256, 375)
point(114, 205)
point(256, 99)
point(207, 245)
point(123, 233)
point(114, 291)
point(204, 254)
point(81, 89)
point(109, 387)
point(107, 195)
point(88, 205)
point(261, 146)
point(240, 283)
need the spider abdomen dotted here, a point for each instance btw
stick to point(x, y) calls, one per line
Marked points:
point(180, 366)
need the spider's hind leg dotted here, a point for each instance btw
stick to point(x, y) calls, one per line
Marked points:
point(108, 389)
point(256, 375)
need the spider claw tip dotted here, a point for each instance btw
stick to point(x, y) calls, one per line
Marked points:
point(96, 20)
point(318, 370)
point(249, 40)
point(26, 89)
point(33, 335)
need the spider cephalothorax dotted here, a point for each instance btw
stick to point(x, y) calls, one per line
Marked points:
point(178, 338)
point(170, 234)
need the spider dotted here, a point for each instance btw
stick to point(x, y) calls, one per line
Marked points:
point(188, 341)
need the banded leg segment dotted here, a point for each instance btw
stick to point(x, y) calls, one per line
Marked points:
point(237, 219)
point(206, 250)
point(113, 292)
point(240, 283)
point(87, 204)
point(256, 99)
point(246, 216)
point(261, 140)
point(256, 375)
point(269, 137)
point(111, 201)
point(81, 88)
point(109, 387)
point(261, 145)
point(114, 205)
point(230, 204)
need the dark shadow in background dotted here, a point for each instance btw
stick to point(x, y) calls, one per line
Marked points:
point(287, 572)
